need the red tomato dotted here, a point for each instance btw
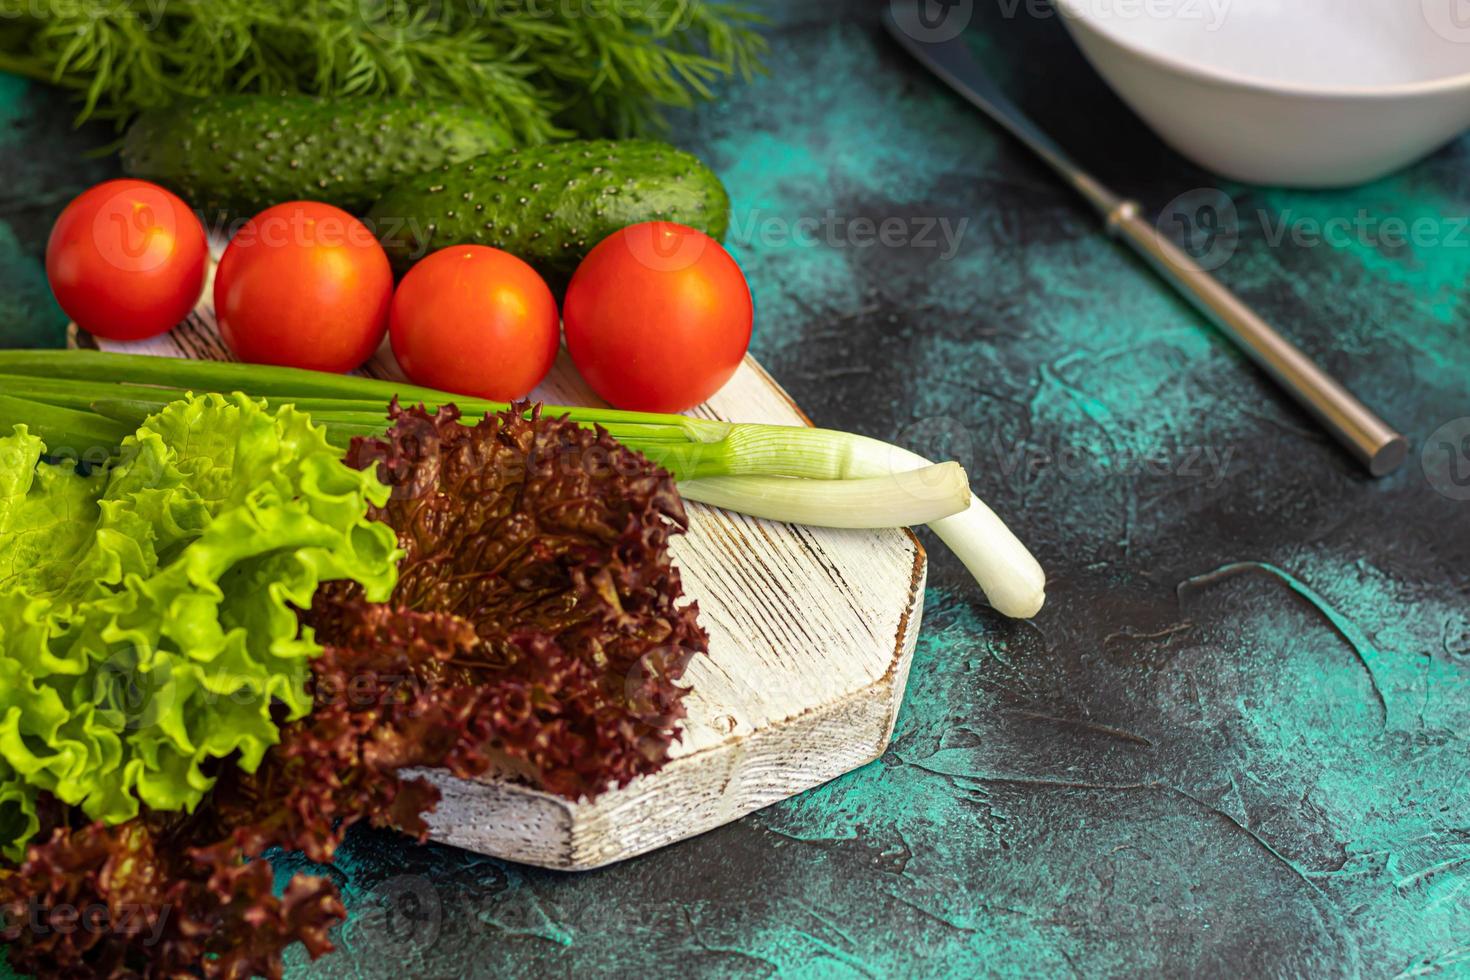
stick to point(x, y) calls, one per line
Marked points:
point(127, 260)
point(303, 285)
point(658, 318)
point(475, 321)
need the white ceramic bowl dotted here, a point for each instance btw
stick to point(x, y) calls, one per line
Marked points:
point(1313, 93)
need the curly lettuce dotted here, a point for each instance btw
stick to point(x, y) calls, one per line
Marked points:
point(148, 620)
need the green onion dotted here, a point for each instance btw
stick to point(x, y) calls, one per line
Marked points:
point(1006, 571)
point(175, 374)
point(790, 473)
point(68, 394)
point(66, 432)
point(904, 499)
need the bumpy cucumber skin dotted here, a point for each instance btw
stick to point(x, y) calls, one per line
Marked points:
point(238, 155)
point(550, 205)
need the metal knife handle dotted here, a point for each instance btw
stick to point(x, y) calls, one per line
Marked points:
point(1370, 439)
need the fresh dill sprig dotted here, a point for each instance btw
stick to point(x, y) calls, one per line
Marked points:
point(543, 67)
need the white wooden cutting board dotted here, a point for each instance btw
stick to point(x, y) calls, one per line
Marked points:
point(811, 636)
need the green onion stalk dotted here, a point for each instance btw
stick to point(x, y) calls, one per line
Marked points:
point(778, 472)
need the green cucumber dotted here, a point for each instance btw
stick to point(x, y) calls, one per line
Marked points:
point(239, 154)
point(550, 205)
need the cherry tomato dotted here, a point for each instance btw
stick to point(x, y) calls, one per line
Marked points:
point(303, 285)
point(127, 260)
point(475, 321)
point(658, 318)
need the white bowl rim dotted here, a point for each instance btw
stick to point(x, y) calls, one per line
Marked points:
point(1432, 86)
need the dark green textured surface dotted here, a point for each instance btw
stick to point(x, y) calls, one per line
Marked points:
point(42, 166)
point(1237, 742)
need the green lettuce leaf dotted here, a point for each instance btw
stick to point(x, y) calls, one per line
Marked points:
point(148, 610)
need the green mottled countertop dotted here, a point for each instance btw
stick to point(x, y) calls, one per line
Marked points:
point(1237, 741)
